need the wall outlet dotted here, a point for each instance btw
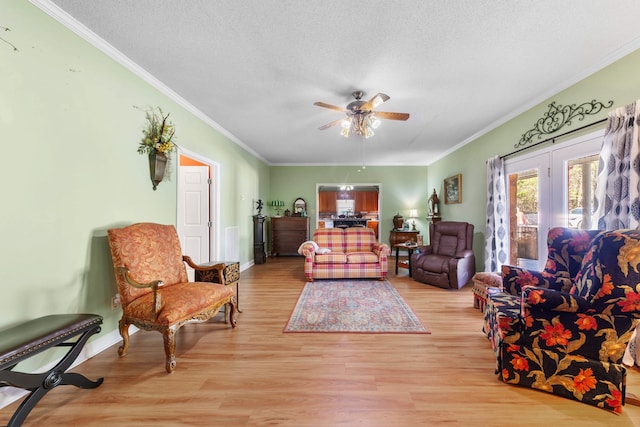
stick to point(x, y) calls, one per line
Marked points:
point(115, 301)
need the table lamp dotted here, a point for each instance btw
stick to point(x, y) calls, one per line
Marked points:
point(413, 214)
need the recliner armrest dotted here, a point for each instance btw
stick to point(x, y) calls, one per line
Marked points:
point(464, 254)
point(422, 250)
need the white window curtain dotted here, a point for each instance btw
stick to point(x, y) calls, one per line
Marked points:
point(496, 245)
point(617, 194)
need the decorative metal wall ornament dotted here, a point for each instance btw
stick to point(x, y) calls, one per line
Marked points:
point(559, 116)
point(6, 41)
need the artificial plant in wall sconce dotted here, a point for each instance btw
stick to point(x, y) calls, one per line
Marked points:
point(157, 143)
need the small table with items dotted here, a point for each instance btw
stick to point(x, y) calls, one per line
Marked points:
point(410, 247)
point(231, 277)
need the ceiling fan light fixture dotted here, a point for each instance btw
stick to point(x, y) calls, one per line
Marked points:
point(373, 121)
point(377, 100)
point(360, 119)
point(368, 132)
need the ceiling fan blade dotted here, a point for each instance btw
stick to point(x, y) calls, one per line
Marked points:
point(378, 99)
point(333, 123)
point(391, 116)
point(329, 106)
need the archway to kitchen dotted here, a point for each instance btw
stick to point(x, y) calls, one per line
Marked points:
point(347, 205)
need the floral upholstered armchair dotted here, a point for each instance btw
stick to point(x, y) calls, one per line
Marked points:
point(566, 248)
point(572, 343)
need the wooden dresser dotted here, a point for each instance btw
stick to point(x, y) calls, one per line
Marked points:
point(288, 233)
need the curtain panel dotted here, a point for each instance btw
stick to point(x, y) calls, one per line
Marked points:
point(617, 196)
point(496, 245)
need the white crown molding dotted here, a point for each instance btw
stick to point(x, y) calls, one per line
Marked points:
point(98, 42)
point(604, 62)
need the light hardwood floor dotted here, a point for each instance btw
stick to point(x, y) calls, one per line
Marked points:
point(256, 375)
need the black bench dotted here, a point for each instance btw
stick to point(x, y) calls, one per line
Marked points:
point(22, 341)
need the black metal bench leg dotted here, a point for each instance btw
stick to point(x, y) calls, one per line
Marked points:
point(40, 384)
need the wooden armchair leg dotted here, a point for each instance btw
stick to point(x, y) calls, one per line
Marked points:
point(233, 308)
point(169, 336)
point(124, 333)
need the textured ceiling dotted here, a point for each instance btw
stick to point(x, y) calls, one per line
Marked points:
point(459, 67)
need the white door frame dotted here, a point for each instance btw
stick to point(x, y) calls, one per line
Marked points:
point(214, 199)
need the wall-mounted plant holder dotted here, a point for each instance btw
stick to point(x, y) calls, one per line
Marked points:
point(157, 143)
point(157, 167)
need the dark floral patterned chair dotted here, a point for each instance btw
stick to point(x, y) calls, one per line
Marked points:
point(572, 343)
point(566, 247)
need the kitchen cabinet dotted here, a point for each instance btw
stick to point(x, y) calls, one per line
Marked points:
point(366, 201)
point(327, 201)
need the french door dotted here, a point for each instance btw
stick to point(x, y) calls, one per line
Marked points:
point(552, 187)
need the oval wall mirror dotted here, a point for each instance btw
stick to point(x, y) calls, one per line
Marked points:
point(299, 206)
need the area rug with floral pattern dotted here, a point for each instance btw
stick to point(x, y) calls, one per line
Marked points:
point(360, 306)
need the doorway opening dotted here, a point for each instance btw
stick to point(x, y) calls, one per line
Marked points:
point(198, 208)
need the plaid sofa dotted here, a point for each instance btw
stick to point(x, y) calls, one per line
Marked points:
point(352, 253)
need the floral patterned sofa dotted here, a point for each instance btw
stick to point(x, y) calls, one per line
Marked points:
point(565, 249)
point(572, 343)
point(336, 253)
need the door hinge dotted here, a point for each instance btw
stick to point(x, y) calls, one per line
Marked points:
point(209, 181)
point(209, 224)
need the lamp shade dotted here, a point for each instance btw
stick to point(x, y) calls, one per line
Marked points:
point(413, 213)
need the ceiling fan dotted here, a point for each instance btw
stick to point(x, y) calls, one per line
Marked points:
point(361, 119)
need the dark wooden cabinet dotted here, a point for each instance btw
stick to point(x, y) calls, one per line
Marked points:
point(259, 253)
point(288, 233)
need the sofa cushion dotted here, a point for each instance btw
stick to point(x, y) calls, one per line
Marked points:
point(331, 238)
point(331, 258)
point(358, 239)
point(180, 302)
point(361, 258)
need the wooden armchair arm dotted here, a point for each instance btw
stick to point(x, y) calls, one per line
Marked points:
point(154, 285)
point(208, 272)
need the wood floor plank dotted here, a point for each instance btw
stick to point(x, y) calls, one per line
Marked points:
point(257, 375)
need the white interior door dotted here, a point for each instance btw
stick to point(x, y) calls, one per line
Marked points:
point(193, 213)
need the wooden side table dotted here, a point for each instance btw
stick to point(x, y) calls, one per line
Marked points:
point(231, 277)
point(410, 248)
point(402, 236)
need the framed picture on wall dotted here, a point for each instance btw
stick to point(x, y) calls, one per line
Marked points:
point(453, 189)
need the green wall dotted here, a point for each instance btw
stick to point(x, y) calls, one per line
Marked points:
point(71, 171)
point(401, 188)
point(618, 82)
